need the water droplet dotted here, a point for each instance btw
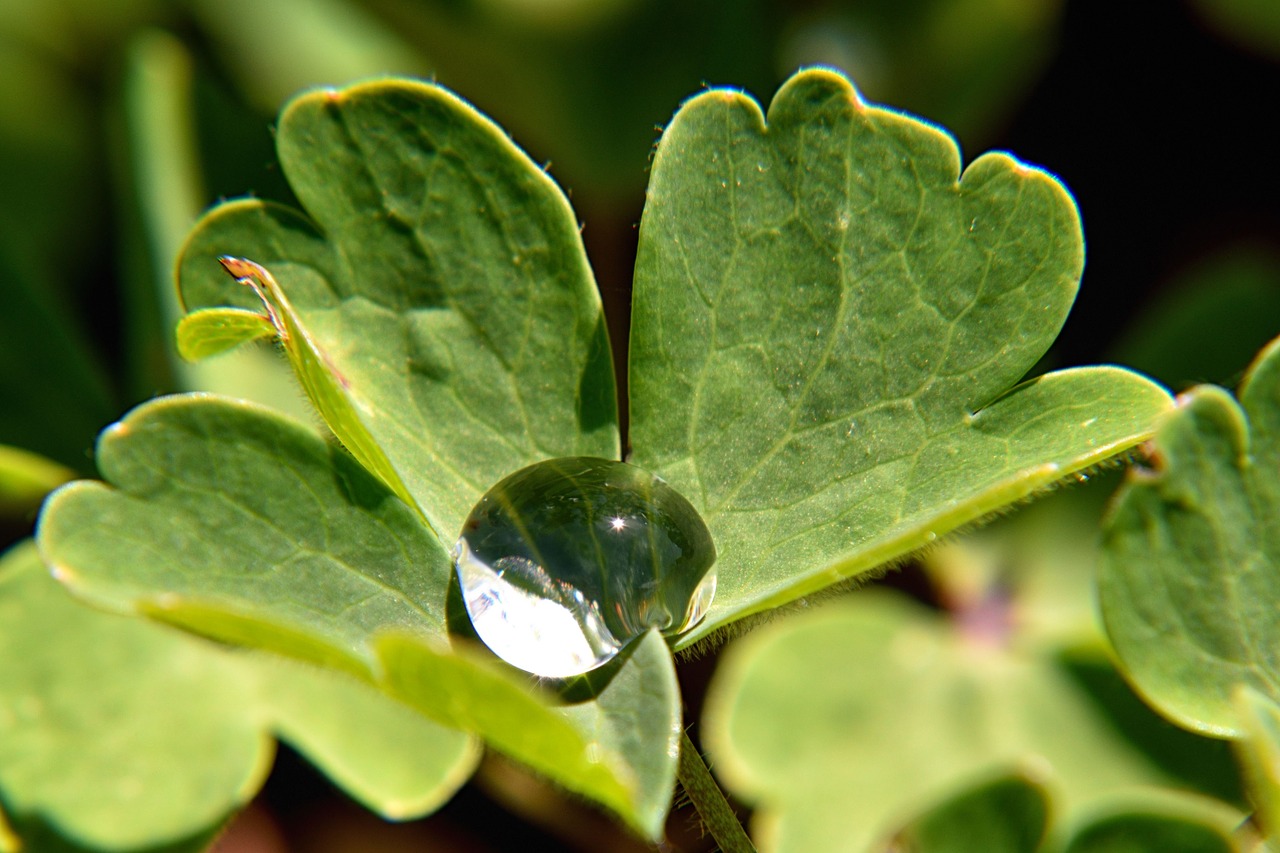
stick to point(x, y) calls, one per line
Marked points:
point(565, 562)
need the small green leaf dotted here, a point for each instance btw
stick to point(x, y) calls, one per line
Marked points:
point(618, 750)
point(325, 387)
point(919, 707)
point(828, 320)
point(25, 479)
point(213, 331)
point(180, 727)
point(1191, 564)
point(1259, 754)
point(1008, 814)
point(1160, 822)
point(247, 526)
point(440, 275)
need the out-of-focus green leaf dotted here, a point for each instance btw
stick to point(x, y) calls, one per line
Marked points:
point(1191, 566)
point(1211, 322)
point(964, 63)
point(47, 137)
point(618, 749)
point(175, 732)
point(162, 194)
point(1157, 822)
point(586, 91)
point(25, 479)
point(38, 341)
point(448, 295)
point(1254, 23)
point(918, 707)
point(1259, 754)
point(827, 323)
point(1008, 814)
point(276, 49)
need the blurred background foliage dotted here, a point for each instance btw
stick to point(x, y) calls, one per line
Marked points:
point(121, 121)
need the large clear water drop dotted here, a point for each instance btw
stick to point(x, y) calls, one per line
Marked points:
point(565, 562)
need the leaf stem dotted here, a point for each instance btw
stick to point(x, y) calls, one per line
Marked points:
point(709, 800)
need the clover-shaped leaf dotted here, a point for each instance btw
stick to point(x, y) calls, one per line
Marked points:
point(182, 728)
point(828, 320)
point(442, 276)
point(235, 522)
point(920, 706)
point(1190, 573)
point(25, 478)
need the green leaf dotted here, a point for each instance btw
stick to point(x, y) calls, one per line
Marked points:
point(440, 275)
point(1007, 814)
point(274, 51)
point(324, 386)
point(634, 715)
point(964, 63)
point(237, 522)
point(25, 479)
point(918, 708)
point(254, 531)
point(1253, 23)
point(181, 728)
point(1259, 754)
point(828, 319)
point(161, 194)
point(1191, 562)
point(213, 331)
point(39, 340)
point(1156, 823)
point(162, 197)
point(1209, 322)
point(618, 749)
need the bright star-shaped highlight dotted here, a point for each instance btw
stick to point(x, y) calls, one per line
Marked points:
point(617, 523)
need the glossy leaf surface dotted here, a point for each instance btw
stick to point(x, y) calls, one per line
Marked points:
point(828, 319)
point(441, 277)
point(263, 535)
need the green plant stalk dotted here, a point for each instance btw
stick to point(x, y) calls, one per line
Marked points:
point(709, 800)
